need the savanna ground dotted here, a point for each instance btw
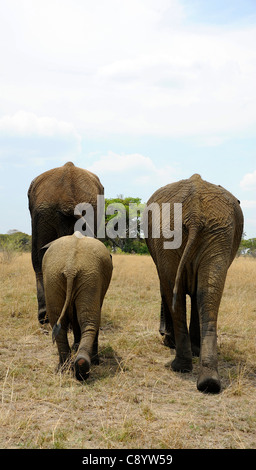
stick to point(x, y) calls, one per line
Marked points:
point(132, 399)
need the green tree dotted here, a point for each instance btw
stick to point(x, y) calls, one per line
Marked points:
point(124, 215)
point(15, 241)
point(247, 247)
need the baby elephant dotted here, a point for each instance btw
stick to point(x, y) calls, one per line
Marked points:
point(76, 273)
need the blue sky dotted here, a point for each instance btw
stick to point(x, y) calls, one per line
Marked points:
point(142, 92)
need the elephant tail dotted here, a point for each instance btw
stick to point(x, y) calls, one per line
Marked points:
point(192, 235)
point(57, 327)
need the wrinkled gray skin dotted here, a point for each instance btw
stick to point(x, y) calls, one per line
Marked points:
point(76, 275)
point(53, 196)
point(212, 226)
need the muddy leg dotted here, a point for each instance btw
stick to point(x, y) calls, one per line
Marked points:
point(42, 316)
point(166, 325)
point(76, 330)
point(183, 359)
point(89, 322)
point(211, 279)
point(85, 352)
point(194, 328)
point(95, 356)
point(63, 349)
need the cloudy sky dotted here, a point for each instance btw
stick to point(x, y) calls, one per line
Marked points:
point(141, 92)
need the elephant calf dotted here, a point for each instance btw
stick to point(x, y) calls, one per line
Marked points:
point(76, 273)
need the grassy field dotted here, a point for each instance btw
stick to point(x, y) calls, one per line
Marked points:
point(132, 399)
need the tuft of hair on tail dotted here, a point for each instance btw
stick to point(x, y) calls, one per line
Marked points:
point(55, 331)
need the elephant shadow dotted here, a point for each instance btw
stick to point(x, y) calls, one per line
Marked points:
point(234, 370)
point(110, 364)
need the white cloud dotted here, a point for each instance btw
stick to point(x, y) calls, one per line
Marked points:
point(83, 33)
point(28, 138)
point(249, 181)
point(248, 204)
point(25, 124)
point(115, 163)
point(141, 171)
point(128, 67)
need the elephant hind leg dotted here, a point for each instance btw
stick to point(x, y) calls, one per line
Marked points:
point(183, 358)
point(82, 366)
point(166, 325)
point(86, 356)
point(42, 315)
point(42, 233)
point(63, 349)
point(211, 279)
point(61, 339)
point(88, 308)
point(76, 329)
point(95, 356)
point(87, 352)
point(194, 328)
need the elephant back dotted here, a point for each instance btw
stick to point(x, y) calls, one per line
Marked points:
point(63, 188)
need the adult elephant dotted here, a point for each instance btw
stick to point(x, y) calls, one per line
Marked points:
point(212, 226)
point(53, 196)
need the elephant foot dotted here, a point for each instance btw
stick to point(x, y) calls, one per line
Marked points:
point(208, 381)
point(182, 365)
point(82, 367)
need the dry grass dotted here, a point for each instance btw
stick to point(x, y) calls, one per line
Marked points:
point(132, 399)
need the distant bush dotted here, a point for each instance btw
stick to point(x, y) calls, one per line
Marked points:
point(14, 242)
point(19, 242)
point(247, 247)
